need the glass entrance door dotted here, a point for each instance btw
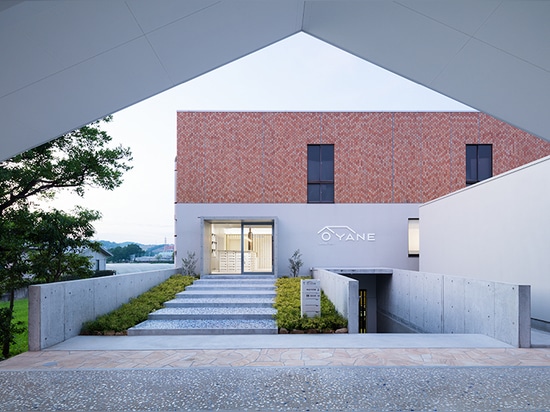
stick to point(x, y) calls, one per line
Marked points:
point(239, 247)
point(257, 248)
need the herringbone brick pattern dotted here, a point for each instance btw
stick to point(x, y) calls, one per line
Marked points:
point(380, 157)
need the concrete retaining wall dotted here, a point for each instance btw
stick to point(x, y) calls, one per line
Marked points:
point(434, 303)
point(343, 292)
point(57, 311)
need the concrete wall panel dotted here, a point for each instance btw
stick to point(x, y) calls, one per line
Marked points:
point(51, 303)
point(417, 300)
point(79, 306)
point(506, 311)
point(480, 307)
point(343, 292)
point(58, 310)
point(400, 295)
point(454, 304)
point(105, 293)
point(449, 304)
point(433, 298)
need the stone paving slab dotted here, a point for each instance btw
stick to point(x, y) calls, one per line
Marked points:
point(278, 357)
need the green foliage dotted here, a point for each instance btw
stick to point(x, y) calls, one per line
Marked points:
point(49, 244)
point(125, 253)
point(137, 310)
point(79, 159)
point(16, 225)
point(60, 240)
point(189, 264)
point(295, 263)
point(18, 334)
point(287, 303)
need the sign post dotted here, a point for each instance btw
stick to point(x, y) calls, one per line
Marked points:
point(310, 297)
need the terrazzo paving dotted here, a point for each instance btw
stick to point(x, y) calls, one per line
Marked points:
point(311, 374)
point(280, 389)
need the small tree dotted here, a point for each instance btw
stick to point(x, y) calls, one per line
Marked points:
point(189, 264)
point(296, 263)
point(75, 161)
point(60, 240)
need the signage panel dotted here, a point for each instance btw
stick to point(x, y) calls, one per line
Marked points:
point(310, 297)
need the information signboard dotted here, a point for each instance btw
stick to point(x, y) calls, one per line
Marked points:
point(311, 297)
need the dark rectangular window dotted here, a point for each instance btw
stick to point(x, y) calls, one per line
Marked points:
point(479, 162)
point(320, 173)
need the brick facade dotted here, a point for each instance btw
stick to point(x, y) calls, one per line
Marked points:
point(380, 157)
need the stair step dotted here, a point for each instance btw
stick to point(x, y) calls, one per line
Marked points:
point(240, 277)
point(220, 302)
point(213, 313)
point(224, 293)
point(203, 327)
point(234, 282)
point(216, 305)
point(229, 287)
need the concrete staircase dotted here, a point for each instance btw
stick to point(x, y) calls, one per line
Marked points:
point(216, 305)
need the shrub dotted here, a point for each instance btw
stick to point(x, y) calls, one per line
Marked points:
point(295, 263)
point(287, 303)
point(137, 310)
point(189, 264)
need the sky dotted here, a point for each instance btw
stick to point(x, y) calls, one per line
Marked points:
point(299, 73)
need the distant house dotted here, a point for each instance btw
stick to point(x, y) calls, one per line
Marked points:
point(98, 260)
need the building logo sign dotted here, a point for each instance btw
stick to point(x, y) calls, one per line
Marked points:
point(333, 234)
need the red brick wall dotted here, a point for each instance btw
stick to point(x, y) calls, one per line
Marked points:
point(380, 157)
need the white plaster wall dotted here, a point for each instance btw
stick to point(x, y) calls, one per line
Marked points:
point(297, 227)
point(496, 230)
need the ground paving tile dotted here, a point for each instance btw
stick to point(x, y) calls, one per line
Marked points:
point(293, 378)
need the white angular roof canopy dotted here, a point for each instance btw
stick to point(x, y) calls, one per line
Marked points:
point(66, 63)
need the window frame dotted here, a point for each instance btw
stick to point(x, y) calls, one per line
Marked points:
point(413, 237)
point(320, 179)
point(476, 179)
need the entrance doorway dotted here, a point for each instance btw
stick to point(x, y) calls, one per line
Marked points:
point(363, 318)
point(238, 247)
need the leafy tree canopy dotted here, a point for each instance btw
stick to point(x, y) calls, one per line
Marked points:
point(50, 244)
point(76, 160)
point(61, 244)
point(126, 253)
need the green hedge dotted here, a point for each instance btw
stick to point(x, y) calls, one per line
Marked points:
point(137, 310)
point(287, 303)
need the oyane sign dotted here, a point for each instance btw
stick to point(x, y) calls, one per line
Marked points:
point(310, 297)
